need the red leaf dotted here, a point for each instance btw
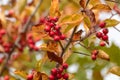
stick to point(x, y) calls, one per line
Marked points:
point(53, 57)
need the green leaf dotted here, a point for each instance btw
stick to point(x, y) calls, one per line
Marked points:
point(111, 22)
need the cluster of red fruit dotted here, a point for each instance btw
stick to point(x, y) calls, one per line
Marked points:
point(52, 28)
point(94, 54)
point(6, 45)
point(102, 35)
point(30, 77)
point(58, 73)
point(30, 42)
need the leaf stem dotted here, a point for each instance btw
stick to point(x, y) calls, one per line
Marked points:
point(82, 53)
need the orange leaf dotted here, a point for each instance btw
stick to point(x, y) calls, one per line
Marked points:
point(53, 57)
point(77, 35)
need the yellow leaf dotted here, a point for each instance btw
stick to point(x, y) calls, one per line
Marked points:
point(54, 8)
point(21, 73)
point(74, 19)
point(103, 55)
point(115, 70)
point(101, 7)
point(111, 22)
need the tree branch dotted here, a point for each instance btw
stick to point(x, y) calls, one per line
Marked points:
point(25, 28)
point(82, 53)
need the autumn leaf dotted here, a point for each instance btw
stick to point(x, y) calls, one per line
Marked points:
point(115, 70)
point(82, 3)
point(54, 8)
point(87, 22)
point(103, 55)
point(91, 16)
point(21, 73)
point(39, 33)
point(101, 7)
point(50, 46)
point(53, 57)
point(111, 22)
point(74, 19)
point(40, 76)
point(77, 35)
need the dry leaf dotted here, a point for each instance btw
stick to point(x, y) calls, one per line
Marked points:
point(37, 76)
point(77, 35)
point(111, 22)
point(103, 55)
point(115, 70)
point(53, 57)
point(101, 7)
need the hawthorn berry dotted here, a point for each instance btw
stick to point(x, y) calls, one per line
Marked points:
point(62, 37)
point(30, 77)
point(6, 77)
point(57, 27)
point(60, 70)
point(105, 37)
point(47, 28)
point(54, 71)
point(65, 76)
point(56, 38)
point(102, 24)
point(65, 65)
point(2, 32)
point(99, 34)
point(105, 31)
point(51, 33)
point(1, 60)
point(93, 57)
point(51, 77)
point(59, 76)
point(102, 43)
point(94, 52)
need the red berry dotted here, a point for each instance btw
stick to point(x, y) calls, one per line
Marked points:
point(2, 32)
point(56, 38)
point(57, 27)
point(36, 48)
point(65, 66)
point(11, 12)
point(62, 37)
point(29, 36)
point(42, 20)
point(102, 43)
point(105, 37)
point(65, 76)
point(6, 77)
point(60, 70)
point(105, 31)
point(55, 19)
point(99, 34)
point(52, 33)
point(7, 50)
point(94, 52)
point(93, 57)
point(51, 24)
point(59, 76)
point(30, 77)
point(54, 71)
point(51, 77)
point(102, 24)
point(47, 28)
point(1, 60)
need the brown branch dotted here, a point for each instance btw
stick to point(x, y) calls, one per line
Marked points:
point(61, 45)
point(82, 53)
point(25, 28)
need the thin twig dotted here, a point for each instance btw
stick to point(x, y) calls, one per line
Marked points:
point(61, 45)
point(82, 53)
point(25, 28)
point(87, 2)
point(116, 29)
point(63, 51)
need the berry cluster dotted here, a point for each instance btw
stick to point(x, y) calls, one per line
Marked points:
point(94, 54)
point(57, 73)
point(102, 35)
point(52, 28)
point(31, 43)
